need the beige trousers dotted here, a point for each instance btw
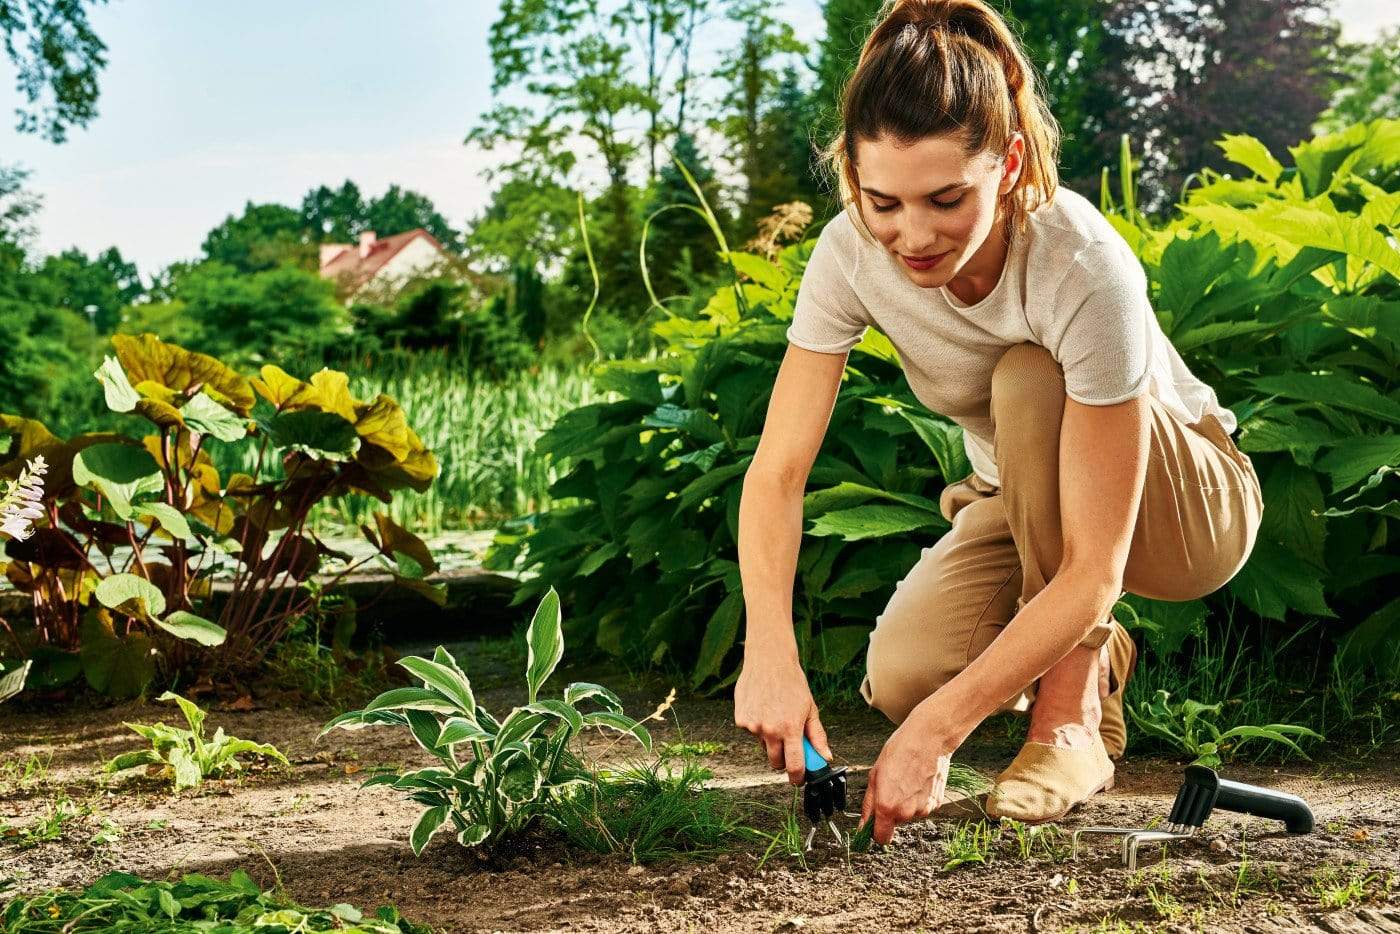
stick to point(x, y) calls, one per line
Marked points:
point(1199, 517)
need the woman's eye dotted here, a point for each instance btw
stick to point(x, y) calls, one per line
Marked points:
point(945, 205)
point(886, 208)
point(949, 204)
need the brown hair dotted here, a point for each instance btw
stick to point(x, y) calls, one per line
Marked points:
point(938, 66)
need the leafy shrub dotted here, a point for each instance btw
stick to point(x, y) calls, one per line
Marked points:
point(520, 767)
point(128, 612)
point(190, 757)
point(120, 901)
point(1281, 289)
point(1190, 726)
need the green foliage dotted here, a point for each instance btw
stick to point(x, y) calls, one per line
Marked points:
point(121, 902)
point(188, 755)
point(649, 812)
point(244, 316)
point(128, 615)
point(1369, 88)
point(1190, 726)
point(520, 767)
point(1281, 290)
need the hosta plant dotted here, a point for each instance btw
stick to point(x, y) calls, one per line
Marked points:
point(1190, 726)
point(120, 570)
point(493, 776)
point(189, 756)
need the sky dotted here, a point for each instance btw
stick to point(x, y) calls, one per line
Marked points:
point(206, 106)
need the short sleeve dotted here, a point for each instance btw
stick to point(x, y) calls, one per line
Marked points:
point(1101, 328)
point(828, 316)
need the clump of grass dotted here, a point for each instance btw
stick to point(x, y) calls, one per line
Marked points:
point(650, 812)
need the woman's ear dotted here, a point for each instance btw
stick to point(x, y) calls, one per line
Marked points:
point(1011, 163)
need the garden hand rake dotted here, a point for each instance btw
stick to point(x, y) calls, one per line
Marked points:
point(823, 793)
point(1201, 792)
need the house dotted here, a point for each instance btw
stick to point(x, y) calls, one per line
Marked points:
point(373, 265)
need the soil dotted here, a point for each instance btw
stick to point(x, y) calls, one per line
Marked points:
point(329, 841)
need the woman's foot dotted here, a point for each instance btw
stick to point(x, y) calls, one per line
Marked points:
point(1063, 761)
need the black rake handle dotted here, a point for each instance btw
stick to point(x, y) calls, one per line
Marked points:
point(1204, 790)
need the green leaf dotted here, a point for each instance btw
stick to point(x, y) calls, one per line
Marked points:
point(518, 778)
point(131, 595)
point(413, 699)
point(427, 825)
point(187, 773)
point(545, 639)
point(170, 519)
point(720, 633)
point(583, 690)
point(758, 269)
point(1275, 580)
point(837, 648)
point(944, 440)
point(560, 710)
point(12, 682)
point(322, 435)
point(185, 625)
point(460, 729)
point(474, 835)
point(876, 521)
point(193, 715)
point(1252, 154)
point(1345, 392)
point(203, 414)
point(120, 472)
point(443, 678)
point(1294, 500)
point(425, 729)
point(131, 760)
point(620, 722)
point(120, 395)
point(1351, 461)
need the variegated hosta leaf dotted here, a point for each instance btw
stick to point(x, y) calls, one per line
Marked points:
point(519, 726)
point(359, 719)
point(517, 777)
point(413, 699)
point(459, 730)
point(446, 680)
point(474, 835)
point(425, 728)
point(556, 708)
point(583, 690)
point(427, 825)
point(620, 722)
point(545, 639)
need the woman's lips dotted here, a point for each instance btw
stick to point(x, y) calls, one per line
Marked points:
point(923, 262)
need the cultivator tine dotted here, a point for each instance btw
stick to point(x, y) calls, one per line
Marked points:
point(1201, 792)
point(823, 794)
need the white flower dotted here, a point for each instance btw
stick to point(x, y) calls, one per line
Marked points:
point(23, 501)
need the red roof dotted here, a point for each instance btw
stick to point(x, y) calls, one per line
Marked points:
point(348, 263)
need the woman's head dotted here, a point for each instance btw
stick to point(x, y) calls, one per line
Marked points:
point(944, 133)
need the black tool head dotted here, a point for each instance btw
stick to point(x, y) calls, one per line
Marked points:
point(824, 793)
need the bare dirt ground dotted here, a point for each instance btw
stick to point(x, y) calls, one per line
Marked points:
point(330, 842)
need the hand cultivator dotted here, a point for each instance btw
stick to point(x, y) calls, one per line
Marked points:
point(823, 793)
point(1201, 792)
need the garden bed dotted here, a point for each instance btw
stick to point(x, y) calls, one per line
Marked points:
point(330, 841)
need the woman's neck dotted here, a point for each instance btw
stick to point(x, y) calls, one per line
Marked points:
point(976, 280)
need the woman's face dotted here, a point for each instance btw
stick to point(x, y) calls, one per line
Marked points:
point(932, 201)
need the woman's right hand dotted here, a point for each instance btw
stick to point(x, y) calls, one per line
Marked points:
point(773, 702)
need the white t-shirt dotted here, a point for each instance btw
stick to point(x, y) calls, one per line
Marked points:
point(1070, 284)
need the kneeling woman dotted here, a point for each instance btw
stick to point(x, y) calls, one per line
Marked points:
point(1101, 464)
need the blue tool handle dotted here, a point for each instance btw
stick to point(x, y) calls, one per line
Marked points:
point(810, 757)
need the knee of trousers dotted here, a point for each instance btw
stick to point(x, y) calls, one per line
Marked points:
point(1027, 382)
point(899, 673)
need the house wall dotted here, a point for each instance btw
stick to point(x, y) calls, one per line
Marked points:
point(413, 259)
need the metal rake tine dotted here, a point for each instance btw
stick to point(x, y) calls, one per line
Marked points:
point(807, 844)
point(1133, 842)
point(1074, 837)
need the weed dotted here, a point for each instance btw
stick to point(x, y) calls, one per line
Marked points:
point(651, 812)
point(690, 750)
point(1345, 886)
point(970, 842)
point(189, 756)
point(46, 827)
point(22, 773)
point(788, 840)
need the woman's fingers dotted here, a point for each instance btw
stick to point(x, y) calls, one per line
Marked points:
point(817, 734)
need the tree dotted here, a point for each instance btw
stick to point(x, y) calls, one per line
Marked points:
point(1370, 86)
point(340, 215)
point(786, 152)
point(223, 311)
point(751, 79)
point(848, 25)
point(527, 216)
point(263, 237)
point(57, 57)
point(95, 289)
point(1192, 71)
point(17, 205)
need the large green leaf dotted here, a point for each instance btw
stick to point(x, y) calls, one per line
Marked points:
point(429, 824)
point(170, 519)
point(1353, 460)
point(446, 679)
point(1275, 580)
point(204, 415)
point(545, 640)
point(720, 633)
point(185, 625)
point(118, 666)
point(1342, 391)
point(131, 595)
point(1252, 154)
point(120, 395)
point(120, 472)
point(876, 521)
point(324, 435)
point(837, 647)
point(1294, 509)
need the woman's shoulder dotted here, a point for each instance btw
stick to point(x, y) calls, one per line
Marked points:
point(1069, 222)
point(1070, 231)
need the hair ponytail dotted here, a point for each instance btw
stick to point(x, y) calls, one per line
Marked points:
point(937, 66)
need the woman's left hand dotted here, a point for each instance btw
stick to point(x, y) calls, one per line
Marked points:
point(908, 779)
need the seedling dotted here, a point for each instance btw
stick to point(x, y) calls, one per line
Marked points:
point(189, 756)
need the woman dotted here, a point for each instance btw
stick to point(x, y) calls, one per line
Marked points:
point(1100, 463)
